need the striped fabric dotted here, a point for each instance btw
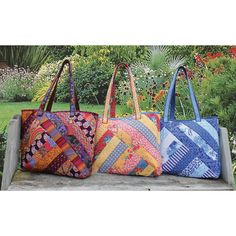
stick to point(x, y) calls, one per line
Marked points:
point(129, 146)
point(60, 142)
point(191, 148)
point(57, 143)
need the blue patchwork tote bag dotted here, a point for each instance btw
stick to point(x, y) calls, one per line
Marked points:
point(189, 147)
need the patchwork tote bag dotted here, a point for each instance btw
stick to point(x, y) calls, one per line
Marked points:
point(127, 145)
point(59, 142)
point(189, 147)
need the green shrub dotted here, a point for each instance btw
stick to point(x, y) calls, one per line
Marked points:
point(57, 53)
point(92, 75)
point(218, 91)
point(16, 84)
point(46, 74)
point(116, 54)
point(43, 79)
point(92, 69)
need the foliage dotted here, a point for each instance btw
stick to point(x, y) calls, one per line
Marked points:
point(189, 51)
point(92, 67)
point(92, 81)
point(57, 53)
point(197, 73)
point(219, 87)
point(116, 54)
point(46, 74)
point(92, 75)
point(151, 79)
point(40, 90)
point(16, 84)
point(31, 57)
point(44, 77)
point(159, 57)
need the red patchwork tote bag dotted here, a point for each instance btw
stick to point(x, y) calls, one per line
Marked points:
point(59, 142)
point(127, 145)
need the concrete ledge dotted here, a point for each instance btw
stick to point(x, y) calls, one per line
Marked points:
point(12, 151)
point(36, 181)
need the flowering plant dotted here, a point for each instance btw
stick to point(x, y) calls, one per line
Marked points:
point(151, 87)
point(151, 80)
point(232, 51)
point(16, 84)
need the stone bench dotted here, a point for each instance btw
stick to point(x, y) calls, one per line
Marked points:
point(15, 179)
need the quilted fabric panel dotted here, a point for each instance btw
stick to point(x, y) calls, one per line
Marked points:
point(128, 146)
point(190, 148)
point(57, 143)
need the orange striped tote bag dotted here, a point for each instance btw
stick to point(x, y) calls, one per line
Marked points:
point(60, 142)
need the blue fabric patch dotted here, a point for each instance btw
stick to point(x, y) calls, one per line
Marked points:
point(201, 158)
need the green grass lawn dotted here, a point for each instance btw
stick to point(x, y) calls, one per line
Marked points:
point(9, 109)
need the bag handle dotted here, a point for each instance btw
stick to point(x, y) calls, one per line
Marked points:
point(111, 91)
point(170, 100)
point(113, 102)
point(73, 97)
point(52, 97)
